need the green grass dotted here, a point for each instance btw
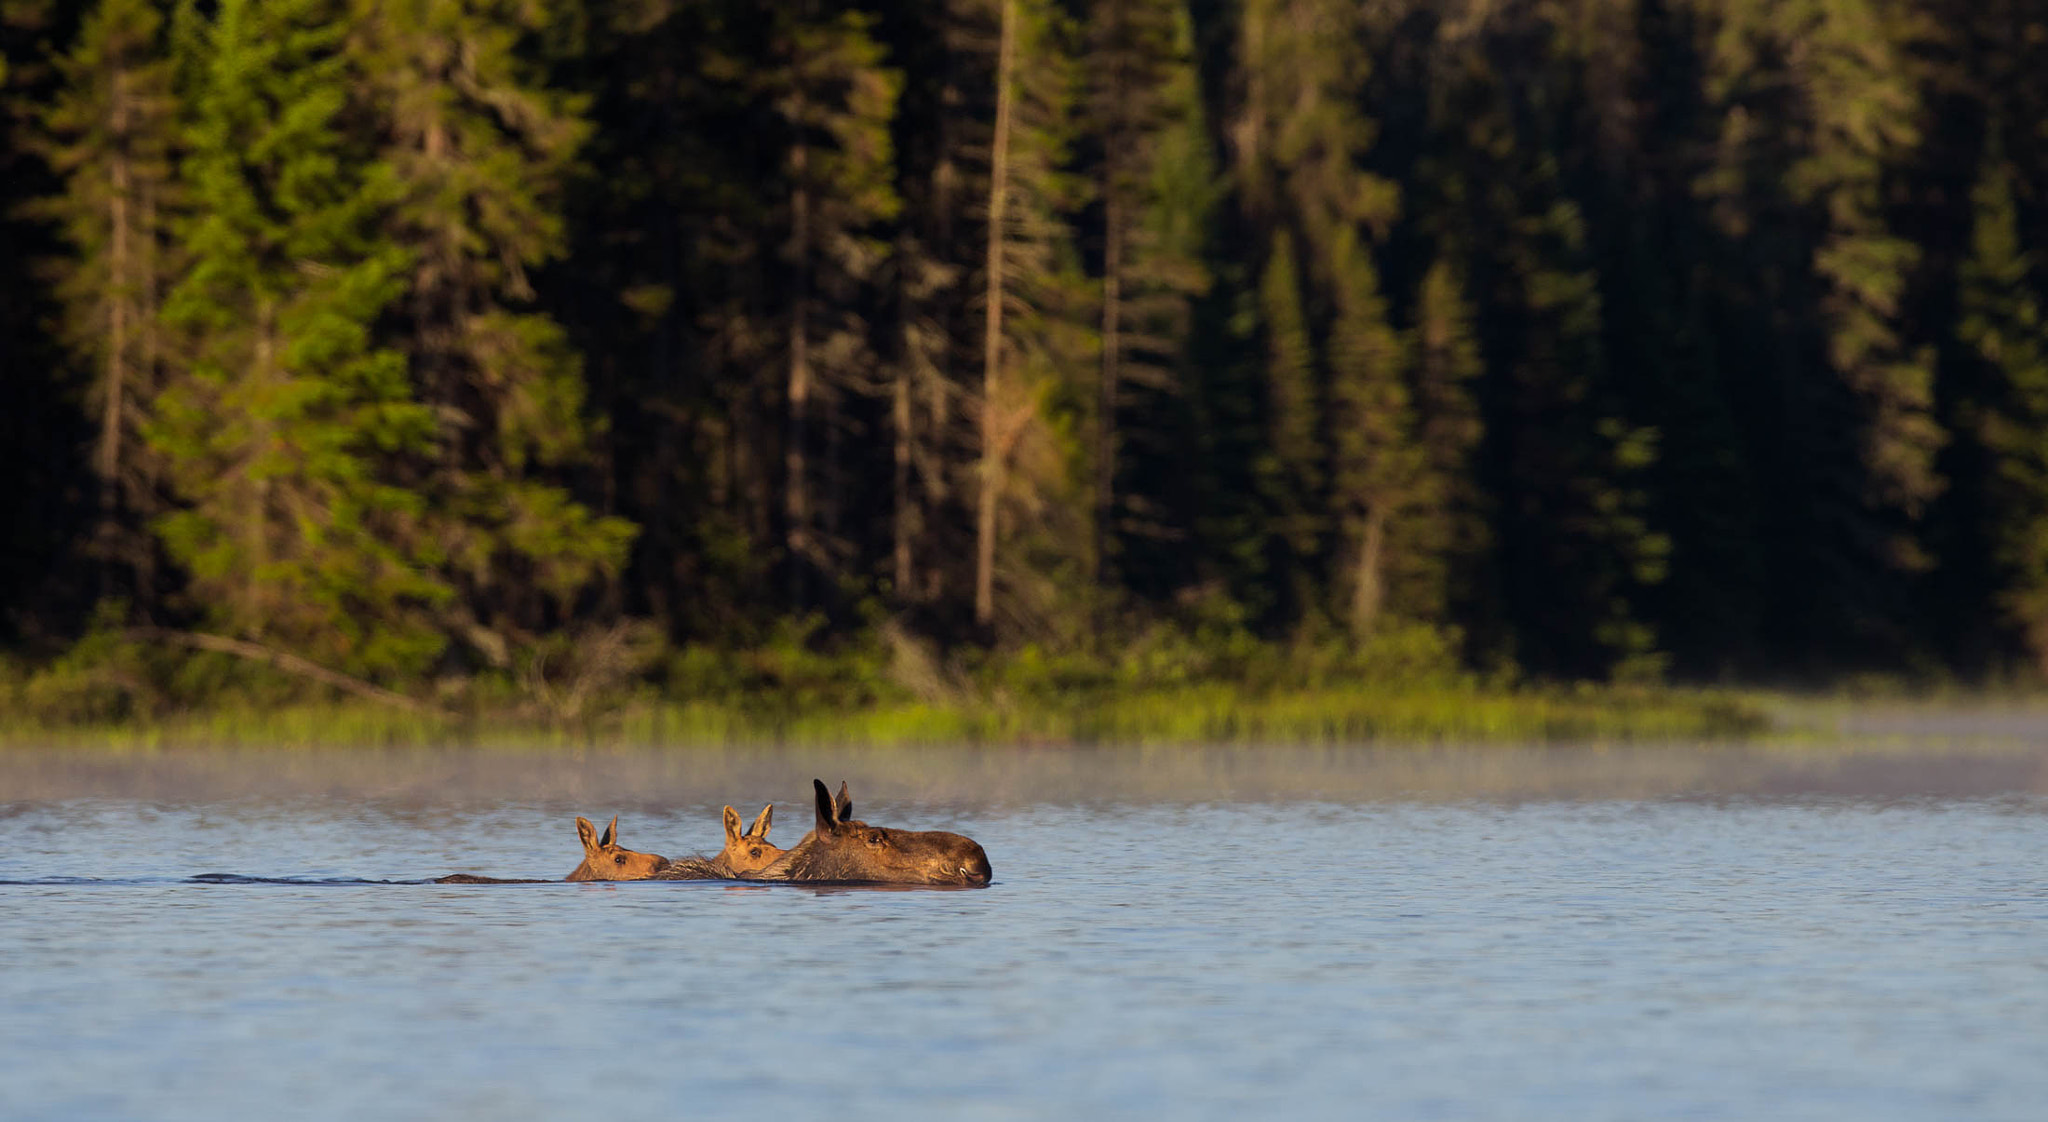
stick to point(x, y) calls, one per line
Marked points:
point(1199, 713)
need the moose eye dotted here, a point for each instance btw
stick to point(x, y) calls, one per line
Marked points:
point(619, 860)
point(754, 852)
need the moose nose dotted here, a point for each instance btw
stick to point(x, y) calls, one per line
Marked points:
point(976, 869)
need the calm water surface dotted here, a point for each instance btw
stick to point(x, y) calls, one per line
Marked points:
point(1197, 933)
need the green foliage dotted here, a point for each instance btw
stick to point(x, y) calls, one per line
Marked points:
point(1292, 469)
point(480, 148)
point(2002, 324)
point(110, 134)
point(283, 403)
point(553, 355)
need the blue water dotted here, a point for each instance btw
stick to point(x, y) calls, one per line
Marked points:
point(1207, 949)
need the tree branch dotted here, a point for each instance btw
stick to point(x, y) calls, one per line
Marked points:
point(287, 662)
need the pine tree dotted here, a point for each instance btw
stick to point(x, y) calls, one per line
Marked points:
point(1448, 523)
point(1377, 467)
point(1563, 464)
point(1032, 329)
point(280, 407)
point(1292, 471)
point(936, 348)
point(1810, 301)
point(1140, 106)
point(1344, 423)
point(110, 134)
point(2002, 323)
point(1151, 345)
point(44, 461)
point(836, 100)
point(662, 292)
point(479, 148)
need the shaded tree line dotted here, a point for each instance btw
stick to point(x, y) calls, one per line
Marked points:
point(1604, 338)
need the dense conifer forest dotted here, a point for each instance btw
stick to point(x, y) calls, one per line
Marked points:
point(709, 345)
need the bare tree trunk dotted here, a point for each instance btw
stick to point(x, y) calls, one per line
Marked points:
point(937, 468)
point(141, 555)
point(905, 517)
point(1112, 355)
point(992, 350)
point(1368, 588)
point(796, 484)
point(119, 283)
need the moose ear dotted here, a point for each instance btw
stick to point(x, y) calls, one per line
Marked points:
point(611, 834)
point(587, 833)
point(845, 803)
point(760, 827)
point(732, 826)
point(828, 818)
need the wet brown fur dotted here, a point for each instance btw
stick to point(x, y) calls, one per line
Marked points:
point(746, 851)
point(605, 859)
point(841, 849)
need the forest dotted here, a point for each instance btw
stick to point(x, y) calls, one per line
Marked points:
point(451, 350)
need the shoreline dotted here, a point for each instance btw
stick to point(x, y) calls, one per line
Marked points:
point(1201, 714)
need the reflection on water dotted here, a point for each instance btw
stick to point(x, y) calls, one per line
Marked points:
point(1725, 933)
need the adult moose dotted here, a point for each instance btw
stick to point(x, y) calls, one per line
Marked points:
point(844, 850)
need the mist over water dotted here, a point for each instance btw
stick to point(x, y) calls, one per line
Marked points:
point(1617, 933)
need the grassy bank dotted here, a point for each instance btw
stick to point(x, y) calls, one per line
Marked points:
point(1210, 714)
point(881, 688)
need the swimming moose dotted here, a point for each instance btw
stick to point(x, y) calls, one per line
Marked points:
point(744, 852)
point(840, 850)
point(844, 850)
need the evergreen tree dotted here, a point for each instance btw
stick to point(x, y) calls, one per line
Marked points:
point(2001, 322)
point(280, 407)
point(661, 292)
point(45, 466)
point(1376, 464)
point(1563, 463)
point(836, 100)
point(479, 147)
point(1291, 468)
point(110, 134)
point(1032, 332)
point(1809, 300)
point(1448, 521)
point(1169, 175)
point(1140, 108)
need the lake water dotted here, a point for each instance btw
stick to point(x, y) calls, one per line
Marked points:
point(1196, 933)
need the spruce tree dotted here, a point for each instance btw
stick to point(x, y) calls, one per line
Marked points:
point(478, 147)
point(835, 100)
point(280, 407)
point(1377, 466)
point(1030, 472)
point(1157, 157)
point(1448, 521)
point(110, 135)
point(1291, 468)
point(48, 489)
point(1140, 108)
point(1838, 400)
point(2001, 322)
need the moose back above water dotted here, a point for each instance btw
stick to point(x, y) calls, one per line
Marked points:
point(844, 850)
